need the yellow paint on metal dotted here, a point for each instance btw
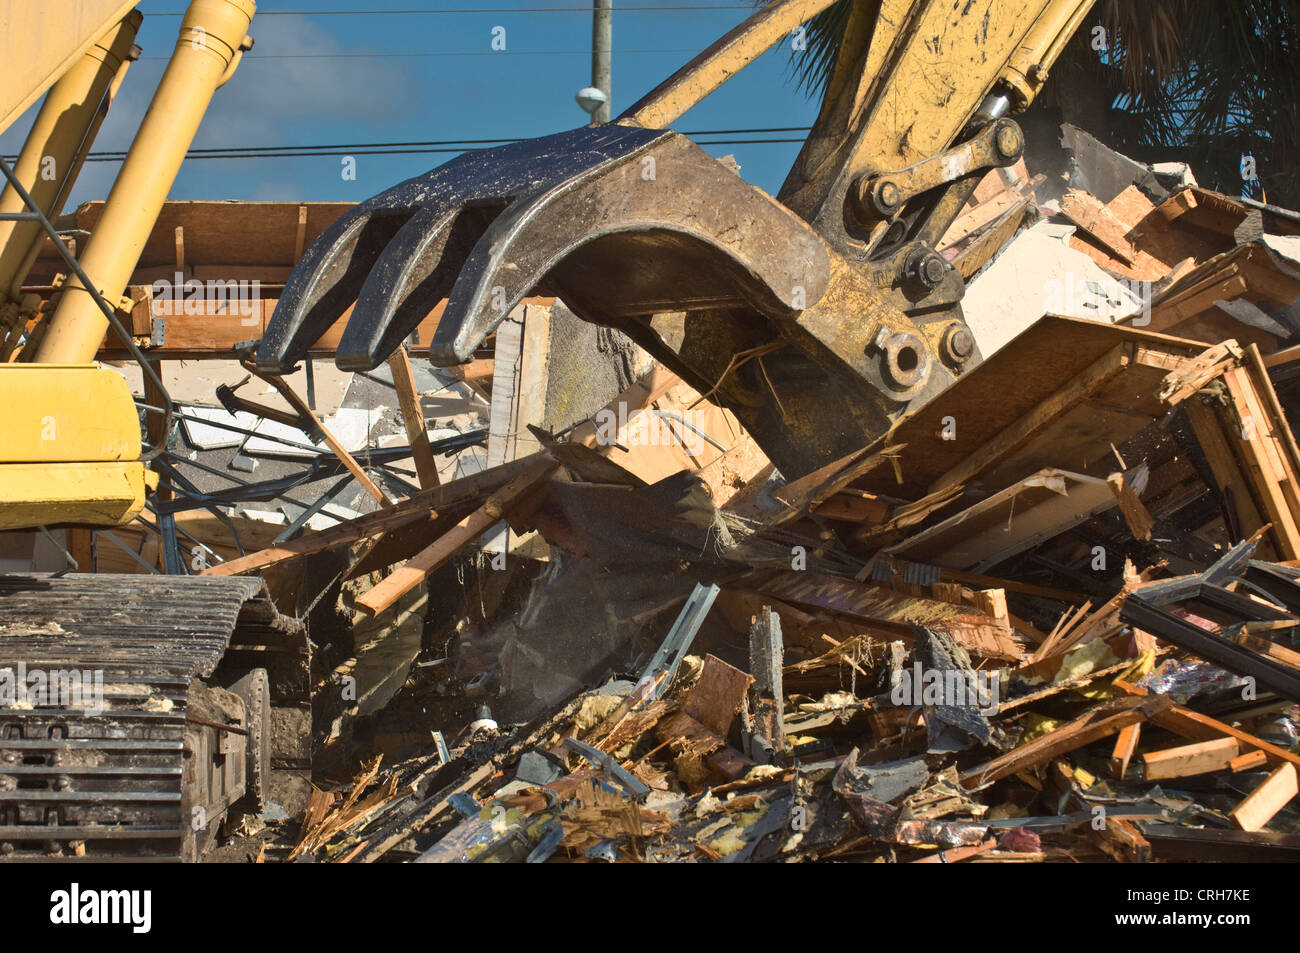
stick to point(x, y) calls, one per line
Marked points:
point(212, 39)
point(66, 414)
point(96, 494)
point(41, 39)
point(58, 140)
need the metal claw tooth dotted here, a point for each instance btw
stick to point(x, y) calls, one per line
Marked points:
point(324, 283)
point(473, 188)
point(416, 270)
point(620, 245)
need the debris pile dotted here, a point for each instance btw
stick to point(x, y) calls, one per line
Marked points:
point(1053, 615)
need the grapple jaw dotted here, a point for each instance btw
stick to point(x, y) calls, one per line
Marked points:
point(636, 229)
point(620, 222)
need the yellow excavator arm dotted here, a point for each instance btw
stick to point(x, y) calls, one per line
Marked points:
point(71, 451)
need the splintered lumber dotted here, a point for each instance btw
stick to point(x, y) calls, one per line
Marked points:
point(1074, 392)
point(421, 507)
point(1137, 517)
point(1091, 726)
point(1125, 745)
point(814, 488)
point(1121, 839)
point(348, 532)
point(418, 567)
point(767, 694)
point(1196, 372)
point(1034, 509)
point(1186, 760)
point(417, 434)
point(340, 451)
point(715, 699)
point(1192, 724)
point(1265, 801)
point(992, 602)
point(1087, 212)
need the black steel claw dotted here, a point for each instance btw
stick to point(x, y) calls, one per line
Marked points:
point(620, 222)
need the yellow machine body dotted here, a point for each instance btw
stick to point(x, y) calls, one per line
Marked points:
point(70, 442)
point(71, 448)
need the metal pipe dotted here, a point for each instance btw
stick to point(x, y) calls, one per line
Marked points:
point(110, 319)
point(48, 164)
point(213, 36)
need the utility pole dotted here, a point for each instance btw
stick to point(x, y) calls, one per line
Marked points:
point(602, 41)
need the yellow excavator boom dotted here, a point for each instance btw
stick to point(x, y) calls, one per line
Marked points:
point(71, 448)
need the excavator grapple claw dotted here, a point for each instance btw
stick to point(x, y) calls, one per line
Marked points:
point(818, 320)
point(620, 222)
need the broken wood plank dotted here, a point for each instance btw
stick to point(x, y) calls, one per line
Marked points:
point(1092, 726)
point(421, 507)
point(1075, 391)
point(417, 434)
point(954, 854)
point(1187, 760)
point(1126, 743)
point(1263, 803)
point(992, 602)
point(1087, 212)
point(419, 566)
point(307, 414)
point(1192, 724)
point(715, 699)
point(1248, 761)
point(808, 491)
point(1137, 517)
point(766, 741)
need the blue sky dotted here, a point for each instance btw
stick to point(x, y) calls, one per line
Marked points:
point(311, 79)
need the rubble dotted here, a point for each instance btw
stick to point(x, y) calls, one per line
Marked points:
point(1053, 615)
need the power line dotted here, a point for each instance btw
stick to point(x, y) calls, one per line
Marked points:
point(370, 56)
point(691, 8)
point(397, 152)
point(434, 146)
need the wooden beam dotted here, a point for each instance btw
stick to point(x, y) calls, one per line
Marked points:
point(1137, 517)
point(1248, 761)
point(1273, 794)
point(1075, 391)
point(300, 405)
point(417, 568)
point(417, 434)
point(1186, 760)
point(423, 506)
point(1089, 727)
point(1125, 745)
point(1192, 724)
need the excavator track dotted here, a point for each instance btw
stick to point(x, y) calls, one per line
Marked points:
point(142, 713)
